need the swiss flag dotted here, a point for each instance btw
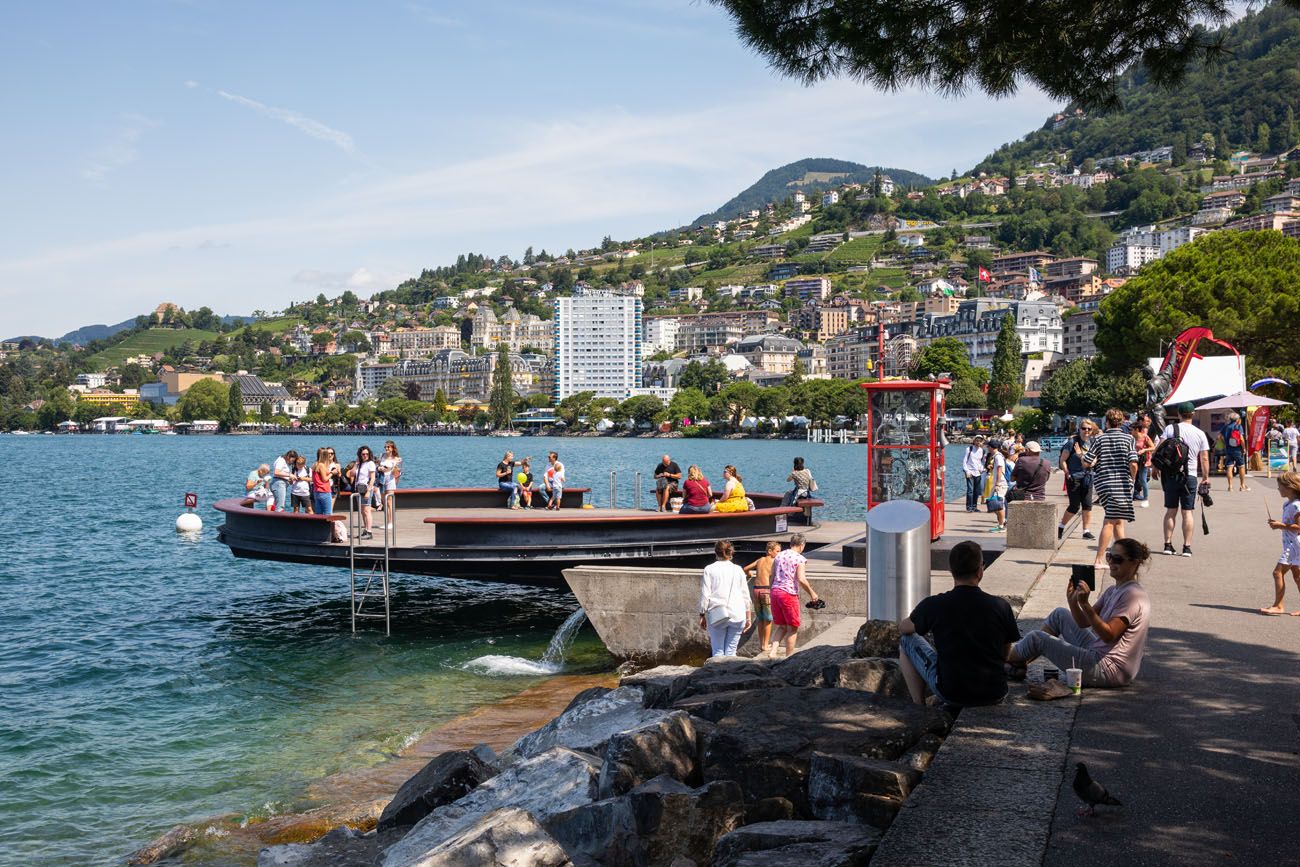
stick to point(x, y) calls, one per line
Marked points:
point(985, 276)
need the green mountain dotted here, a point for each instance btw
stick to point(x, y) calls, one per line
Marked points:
point(808, 176)
point(1253, 89)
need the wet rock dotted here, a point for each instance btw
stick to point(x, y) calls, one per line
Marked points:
point(767, 740)
point(805, 667)
point(558, 780)
point(874, 675)
point(769, 810)
point(662, 746)
point(591, 692)
point(509, 837)
point(175, 840)
point(341, 847)
point(588, 726)
point(876, 638)
point(807, 844)
point(487, 755)
point(449, 777)
point(918, 758)
point(658, 822)
point(851, 788)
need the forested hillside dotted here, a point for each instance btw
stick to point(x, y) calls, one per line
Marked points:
point(809, 176)
point(1246, 100)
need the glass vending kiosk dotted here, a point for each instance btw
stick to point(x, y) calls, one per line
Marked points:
point(905, 444)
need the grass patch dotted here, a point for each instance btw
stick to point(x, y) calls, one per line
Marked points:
point(275, 326)
point(147, 343)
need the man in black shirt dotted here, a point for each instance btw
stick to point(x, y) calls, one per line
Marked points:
point(973, 633)
point(667, 475)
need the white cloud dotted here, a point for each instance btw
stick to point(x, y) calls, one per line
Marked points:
point(191, 83)
point(313, 128)
point(120, 149)
point(561, 182)
point(432, 16)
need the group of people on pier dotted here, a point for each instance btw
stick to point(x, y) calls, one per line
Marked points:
point(289, 484)
point(695, 495)
point(515, 480)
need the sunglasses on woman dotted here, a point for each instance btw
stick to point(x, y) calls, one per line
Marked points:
point(1115, 558)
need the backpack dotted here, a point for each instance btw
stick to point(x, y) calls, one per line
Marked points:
point(1170, 457)
point(1234, 435)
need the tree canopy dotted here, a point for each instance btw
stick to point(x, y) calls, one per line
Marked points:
point(205, 399)
point(953, 45)
point(1007, 384)
point(1241, 285)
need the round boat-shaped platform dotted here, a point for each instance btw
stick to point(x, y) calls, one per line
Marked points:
point(468, 532)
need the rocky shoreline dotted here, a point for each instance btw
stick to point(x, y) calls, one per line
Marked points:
point(805, 760)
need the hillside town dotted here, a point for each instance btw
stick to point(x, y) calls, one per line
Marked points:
point(837, 282)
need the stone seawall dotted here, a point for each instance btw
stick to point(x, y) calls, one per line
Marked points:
point(806, 760)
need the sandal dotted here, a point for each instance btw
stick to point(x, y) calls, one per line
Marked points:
point(1015, 672)
point(1049, 690)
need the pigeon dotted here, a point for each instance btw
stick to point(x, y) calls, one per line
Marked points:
point(1091, 792)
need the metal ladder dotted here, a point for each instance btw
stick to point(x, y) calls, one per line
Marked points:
point(373, 567)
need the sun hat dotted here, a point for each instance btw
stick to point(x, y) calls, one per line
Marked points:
point(1033, 447)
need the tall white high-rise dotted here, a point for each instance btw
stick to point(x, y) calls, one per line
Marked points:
point(597, 344)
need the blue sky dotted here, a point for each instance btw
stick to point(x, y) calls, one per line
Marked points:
point(243, 155)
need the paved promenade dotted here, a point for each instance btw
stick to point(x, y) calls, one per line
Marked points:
point(1203, 748)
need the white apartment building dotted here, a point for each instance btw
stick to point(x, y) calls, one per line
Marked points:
point(808, 288)
point(660, 334)
point(1127, 258)
point(597, 344)
point(831, 197)
point(92, 380)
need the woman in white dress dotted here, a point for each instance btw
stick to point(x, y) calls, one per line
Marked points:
point(725, 606)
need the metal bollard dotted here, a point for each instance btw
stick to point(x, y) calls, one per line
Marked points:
point(638, 490)
point(613, 490)
point(898, 558)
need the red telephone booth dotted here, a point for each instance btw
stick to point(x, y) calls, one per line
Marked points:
point(905, 443)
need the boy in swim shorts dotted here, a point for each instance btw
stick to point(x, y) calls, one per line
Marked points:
point(760, 574)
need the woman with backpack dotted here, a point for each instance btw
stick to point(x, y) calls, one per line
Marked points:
point(1234, 451)
point(1113, 460)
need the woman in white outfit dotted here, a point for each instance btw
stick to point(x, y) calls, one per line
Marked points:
point(725, 606)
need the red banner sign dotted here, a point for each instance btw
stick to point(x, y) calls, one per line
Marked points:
point(1258, 429)
point(191, 501)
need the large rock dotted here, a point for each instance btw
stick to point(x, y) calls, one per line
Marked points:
point(658, 822)
point(711, 706)
point(876, 638)
point(918, 758)
point(586, 695)
point(851, 788)
point(720, 675)
point(551, 783)
point(662, 746)
point(508, 837)
point(447, 778)
point(767, 740)
point(789, 843)
point(805, 667)
point(588, 726)
point(341, 847)
point(659, 683)
point(878, 676)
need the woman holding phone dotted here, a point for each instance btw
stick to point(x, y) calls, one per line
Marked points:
point(1105, 640)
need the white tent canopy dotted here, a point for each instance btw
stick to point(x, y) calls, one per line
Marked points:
point(1242, 399)
point(1208, 378)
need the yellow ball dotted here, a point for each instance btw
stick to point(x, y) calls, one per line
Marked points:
point(522, 478)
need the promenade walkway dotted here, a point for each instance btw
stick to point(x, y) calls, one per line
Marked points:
point(1203, 747)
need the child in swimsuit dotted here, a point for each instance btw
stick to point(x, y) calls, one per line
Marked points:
point(760, 573)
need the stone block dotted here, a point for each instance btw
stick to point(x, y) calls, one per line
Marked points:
point(1031, 524)
point(588, 726)
point(874, 675)
point(854, 789)
point(449, 777)
point(805, 667)
point(509, 837)
point(805, 843)
point(665, 746)
point(877, 638)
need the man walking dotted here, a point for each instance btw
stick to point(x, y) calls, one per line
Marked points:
point(1292, 437)
point(1078, 481)
point(973, 635)
point(667, 477)
point(973, 466)
point(1180, 487)
point(1234, 451)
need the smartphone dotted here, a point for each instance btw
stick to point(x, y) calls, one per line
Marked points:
point(1085, 574)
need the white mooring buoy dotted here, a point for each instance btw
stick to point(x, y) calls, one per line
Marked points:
point(189, 522)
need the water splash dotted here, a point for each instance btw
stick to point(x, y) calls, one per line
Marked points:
point(552, 661)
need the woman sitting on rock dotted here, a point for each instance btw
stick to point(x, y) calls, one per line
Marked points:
point(1106, 640)
point(733, 495)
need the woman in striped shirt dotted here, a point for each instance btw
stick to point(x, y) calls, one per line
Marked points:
point(1113, 460)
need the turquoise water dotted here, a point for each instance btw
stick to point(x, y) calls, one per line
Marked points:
point(150, 679)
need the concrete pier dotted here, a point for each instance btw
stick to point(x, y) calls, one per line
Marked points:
point(651, 615)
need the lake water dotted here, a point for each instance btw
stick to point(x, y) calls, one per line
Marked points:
point(151, 679)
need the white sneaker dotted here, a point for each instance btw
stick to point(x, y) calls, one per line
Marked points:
point(1146, 504)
